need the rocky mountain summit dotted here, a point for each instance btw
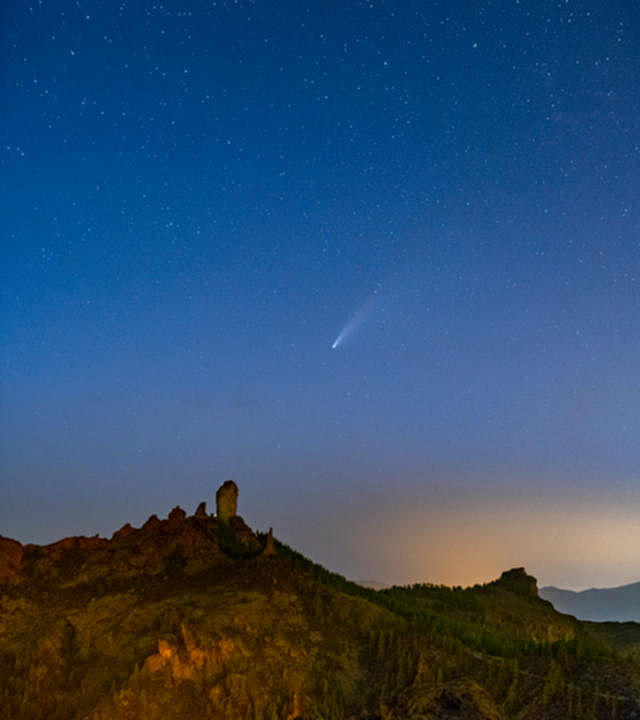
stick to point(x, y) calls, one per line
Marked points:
point(200, 616)
point(189, 542)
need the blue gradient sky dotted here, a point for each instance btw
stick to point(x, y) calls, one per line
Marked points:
point(198, 197)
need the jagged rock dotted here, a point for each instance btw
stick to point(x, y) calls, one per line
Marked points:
point(176, 516)
point(227, 500)
point(201, 512)
point(152, 522)
point(125, 531)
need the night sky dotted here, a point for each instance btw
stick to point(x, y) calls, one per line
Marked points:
point(378, 262)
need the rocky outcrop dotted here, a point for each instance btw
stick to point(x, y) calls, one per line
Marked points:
point(176, 516)
point(125, 531)
point(227, 501)
point(152, 522)
point(176, 544)
point(518, 581)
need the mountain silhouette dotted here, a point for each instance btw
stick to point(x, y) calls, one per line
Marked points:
point(602, 604)
point(200, 616)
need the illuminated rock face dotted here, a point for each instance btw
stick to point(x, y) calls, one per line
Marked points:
point(227, 500)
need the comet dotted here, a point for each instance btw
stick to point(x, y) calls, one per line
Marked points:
point(357, 319)
point(343, 333)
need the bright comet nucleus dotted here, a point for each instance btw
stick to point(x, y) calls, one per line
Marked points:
point(358, 318)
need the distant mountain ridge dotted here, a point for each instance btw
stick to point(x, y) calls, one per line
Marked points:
point(619, 604)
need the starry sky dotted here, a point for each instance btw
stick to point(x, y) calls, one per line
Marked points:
point(378, 262)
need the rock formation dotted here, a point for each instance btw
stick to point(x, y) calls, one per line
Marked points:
point(152, 522)
point(176, 516)
point(518, 581)
point(125, 531)
point(227, 501)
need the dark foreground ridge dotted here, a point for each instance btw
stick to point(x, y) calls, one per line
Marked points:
point(199, 616)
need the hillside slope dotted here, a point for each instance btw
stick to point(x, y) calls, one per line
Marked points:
point(200, 617)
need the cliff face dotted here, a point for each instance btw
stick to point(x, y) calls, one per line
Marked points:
point(200, 617)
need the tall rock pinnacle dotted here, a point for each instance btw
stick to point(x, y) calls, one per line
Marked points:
point(227, 500)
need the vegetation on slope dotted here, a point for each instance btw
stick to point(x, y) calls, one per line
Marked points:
point(191, 617)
